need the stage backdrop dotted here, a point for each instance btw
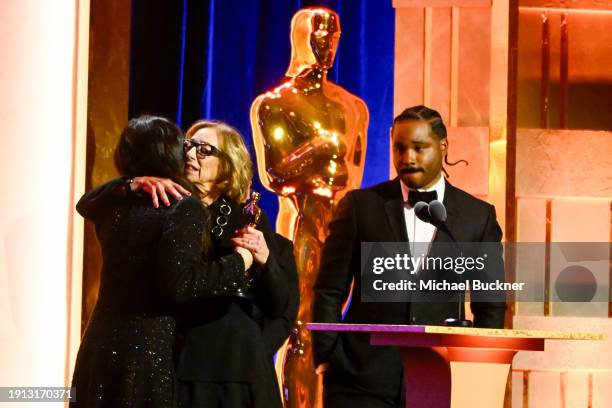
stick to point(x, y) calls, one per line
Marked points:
point(210, 59)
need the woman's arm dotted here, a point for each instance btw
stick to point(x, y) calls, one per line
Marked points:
point(98, 199)
point(183, 274)
point(271, 287)
point(104, 195)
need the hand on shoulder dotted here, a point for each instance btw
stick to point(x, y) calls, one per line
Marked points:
point(158, 189)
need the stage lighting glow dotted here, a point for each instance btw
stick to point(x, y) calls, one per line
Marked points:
point(278, 133)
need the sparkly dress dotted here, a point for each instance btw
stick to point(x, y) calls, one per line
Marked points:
point(152, 264)
point(224, 358)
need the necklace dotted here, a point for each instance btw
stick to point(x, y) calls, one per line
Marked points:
point(222, 219)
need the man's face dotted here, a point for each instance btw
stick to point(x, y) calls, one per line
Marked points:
point(417, 153)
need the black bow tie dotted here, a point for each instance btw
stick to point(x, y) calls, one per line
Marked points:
point(426, 196)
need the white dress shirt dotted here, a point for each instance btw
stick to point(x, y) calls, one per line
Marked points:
point(420, 234)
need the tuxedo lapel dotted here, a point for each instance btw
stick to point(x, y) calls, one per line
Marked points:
point(394, 208)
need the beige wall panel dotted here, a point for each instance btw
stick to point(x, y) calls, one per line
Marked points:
point(474, 66)
point(441, 62)
point(471, 144)
point(580, 220)
point(530, 263)
point(544, 389)
point(575, 386)
point(531, 220)
point(602, 389)
point(564, 163)
point(409, 24)
point(564, 354)
point(517, 389)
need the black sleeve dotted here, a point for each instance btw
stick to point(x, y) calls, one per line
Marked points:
point(102, 197)
point(334, 280)
point(491, 314)
point(271, 288)
point(275, 331)
point(183, 274)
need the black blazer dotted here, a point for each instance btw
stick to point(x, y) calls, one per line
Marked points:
point(221, 339)
point(276, 330)
point(376, 214)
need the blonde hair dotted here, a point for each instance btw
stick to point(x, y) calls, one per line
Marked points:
point(236, 167)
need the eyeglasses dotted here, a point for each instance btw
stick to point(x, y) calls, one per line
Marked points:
point(203, 149)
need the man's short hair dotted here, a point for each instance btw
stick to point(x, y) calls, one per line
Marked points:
point(425, 114)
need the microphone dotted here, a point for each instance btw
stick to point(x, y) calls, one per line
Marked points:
point(421, 209)
point(435, 213)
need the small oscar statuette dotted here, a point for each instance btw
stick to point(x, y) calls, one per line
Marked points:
point(252, 213)
point(251, 210)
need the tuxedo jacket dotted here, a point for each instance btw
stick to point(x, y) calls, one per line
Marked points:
point(376, 214)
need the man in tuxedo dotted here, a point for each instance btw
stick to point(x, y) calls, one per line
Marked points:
point(357, 374)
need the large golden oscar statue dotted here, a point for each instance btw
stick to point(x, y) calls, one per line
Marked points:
point(310, 137)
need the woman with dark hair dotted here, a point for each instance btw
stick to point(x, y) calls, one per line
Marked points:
point(152, 262)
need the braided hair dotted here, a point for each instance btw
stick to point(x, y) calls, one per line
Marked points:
point(435, 122)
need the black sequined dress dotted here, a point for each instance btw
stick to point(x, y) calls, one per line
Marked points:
point(151, 263)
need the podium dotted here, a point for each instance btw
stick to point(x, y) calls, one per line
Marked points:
point(455, 366)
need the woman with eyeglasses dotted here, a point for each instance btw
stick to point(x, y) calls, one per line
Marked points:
point(225, 345)
point(152, 264)
point(223, 361)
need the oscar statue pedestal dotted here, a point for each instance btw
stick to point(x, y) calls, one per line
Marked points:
point(455, 366)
